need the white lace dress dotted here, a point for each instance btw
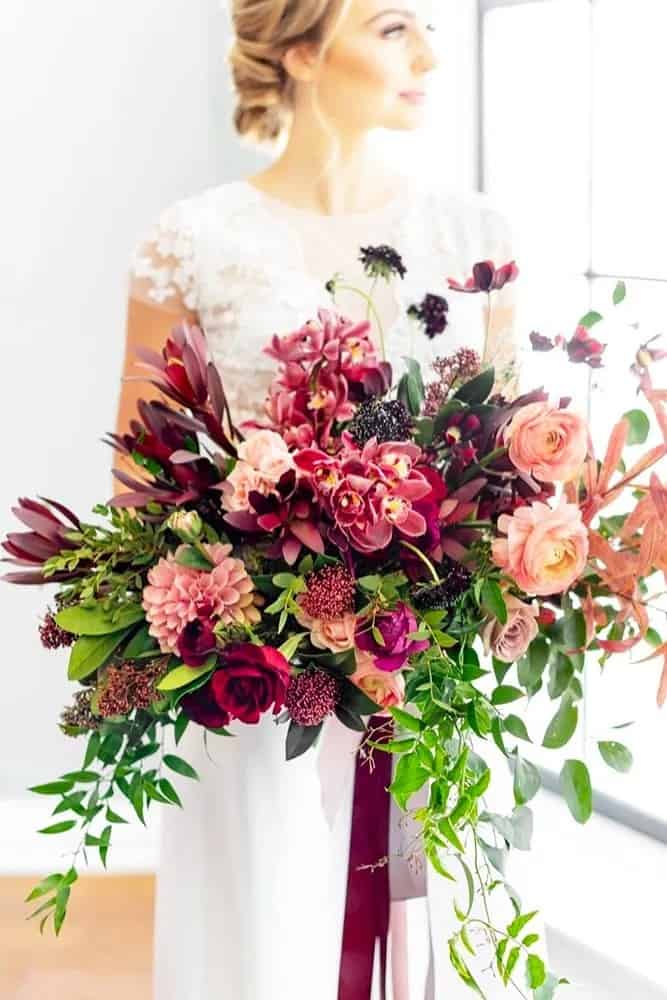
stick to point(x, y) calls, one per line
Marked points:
point(252, 874)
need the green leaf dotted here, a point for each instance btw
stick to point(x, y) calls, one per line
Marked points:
point(619, 293)
point(180, 725)
point(548, 989)
point(141, 642)
point(526, 781)
point(46, 885)
point(300, 739)
point(561, 672)
point(90, 652)
point(516, 727)
point(590, 319)
point(461, 968)
point(95, 621)
point(356, 700)
point(505, 694)
point(291, 644)
point(562, 727)
point(616, 755)
point(536, 973)
point(53, 788)
point(493, 601)
point(112, 817)
point(84, 776)
point(409, 776)
point(478, 389)
point(576, 785)
point(406, 720)
point(639, 425)
point(191, 557)
point(169, 792)
point(284, 580)
point(370, 583)
point(180, 766)
point(94, 742)
point(180, 676)
point(511, 964)
point(517, 925)
point(522, 828)
point(450, 834)
point(61, 827)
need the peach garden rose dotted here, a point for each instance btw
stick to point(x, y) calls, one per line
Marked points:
point(547, 443)
point(544, 550)
point(383, 687)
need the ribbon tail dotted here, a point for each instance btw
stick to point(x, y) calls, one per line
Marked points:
point(367, 901)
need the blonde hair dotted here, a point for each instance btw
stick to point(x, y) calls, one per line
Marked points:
point(264, 31)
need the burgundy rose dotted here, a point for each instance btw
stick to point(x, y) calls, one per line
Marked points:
point(584, 349)
point(201, 707)
point(252, 679)
point(196, 642)
point(394, 626)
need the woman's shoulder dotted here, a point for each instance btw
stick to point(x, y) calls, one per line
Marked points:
point(468, 220)
point(214, 203)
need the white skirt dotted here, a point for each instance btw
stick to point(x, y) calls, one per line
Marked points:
point(252, 877)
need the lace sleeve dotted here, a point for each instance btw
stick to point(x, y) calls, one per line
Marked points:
point(162, 271)
point(502, 345)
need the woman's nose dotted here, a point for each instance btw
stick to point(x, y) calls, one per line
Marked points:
point(426, 58)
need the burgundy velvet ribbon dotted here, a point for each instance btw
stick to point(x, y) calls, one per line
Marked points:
point(367, 901)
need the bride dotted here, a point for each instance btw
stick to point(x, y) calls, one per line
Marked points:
point(252, 894)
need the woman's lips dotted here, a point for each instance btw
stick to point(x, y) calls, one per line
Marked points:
point(414, 96)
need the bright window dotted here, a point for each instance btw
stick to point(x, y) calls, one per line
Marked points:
point(574, 152)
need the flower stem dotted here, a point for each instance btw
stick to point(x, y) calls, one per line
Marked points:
point(427, 562)
point(371, 309)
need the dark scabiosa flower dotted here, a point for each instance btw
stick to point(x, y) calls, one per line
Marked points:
point(541, 343)
point(79, 715)
point(52, 636)
point(382, 262)
point(385, 420)
point(329, 594)
point(456, 580)
point(311, 697)
point(432, 314)
point(486, 277)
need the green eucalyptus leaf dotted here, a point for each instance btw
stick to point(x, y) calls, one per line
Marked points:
point(527, 780)
point(639, 426)
point(616, 755)
point(562, 727)
point(493, 601)
point(576, 785)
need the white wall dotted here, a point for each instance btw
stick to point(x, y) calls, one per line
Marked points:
point(116, 109)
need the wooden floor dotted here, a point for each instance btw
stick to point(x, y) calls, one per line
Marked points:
point(103, 951)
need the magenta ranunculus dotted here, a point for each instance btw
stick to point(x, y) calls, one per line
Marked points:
point(196, 642)
point(394, 626)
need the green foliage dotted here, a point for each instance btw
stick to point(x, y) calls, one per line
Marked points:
point(577, 789)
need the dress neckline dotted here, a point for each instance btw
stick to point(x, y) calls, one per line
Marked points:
point(399, 198)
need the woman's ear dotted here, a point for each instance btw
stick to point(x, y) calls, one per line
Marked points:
point(299, 62)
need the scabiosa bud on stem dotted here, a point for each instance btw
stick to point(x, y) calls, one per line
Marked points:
point(432, 314)
point(382, 262)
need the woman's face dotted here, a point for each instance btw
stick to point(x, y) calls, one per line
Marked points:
point(376, 72)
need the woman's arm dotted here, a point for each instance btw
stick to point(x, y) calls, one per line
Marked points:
point(162, 293)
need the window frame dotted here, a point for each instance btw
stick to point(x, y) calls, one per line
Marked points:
point(612, 807)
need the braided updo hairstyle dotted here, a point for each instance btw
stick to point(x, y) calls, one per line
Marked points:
point(264, 31)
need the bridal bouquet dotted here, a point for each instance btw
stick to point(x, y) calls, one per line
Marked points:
point(425, 549)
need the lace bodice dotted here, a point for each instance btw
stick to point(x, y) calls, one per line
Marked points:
point(248, 266)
